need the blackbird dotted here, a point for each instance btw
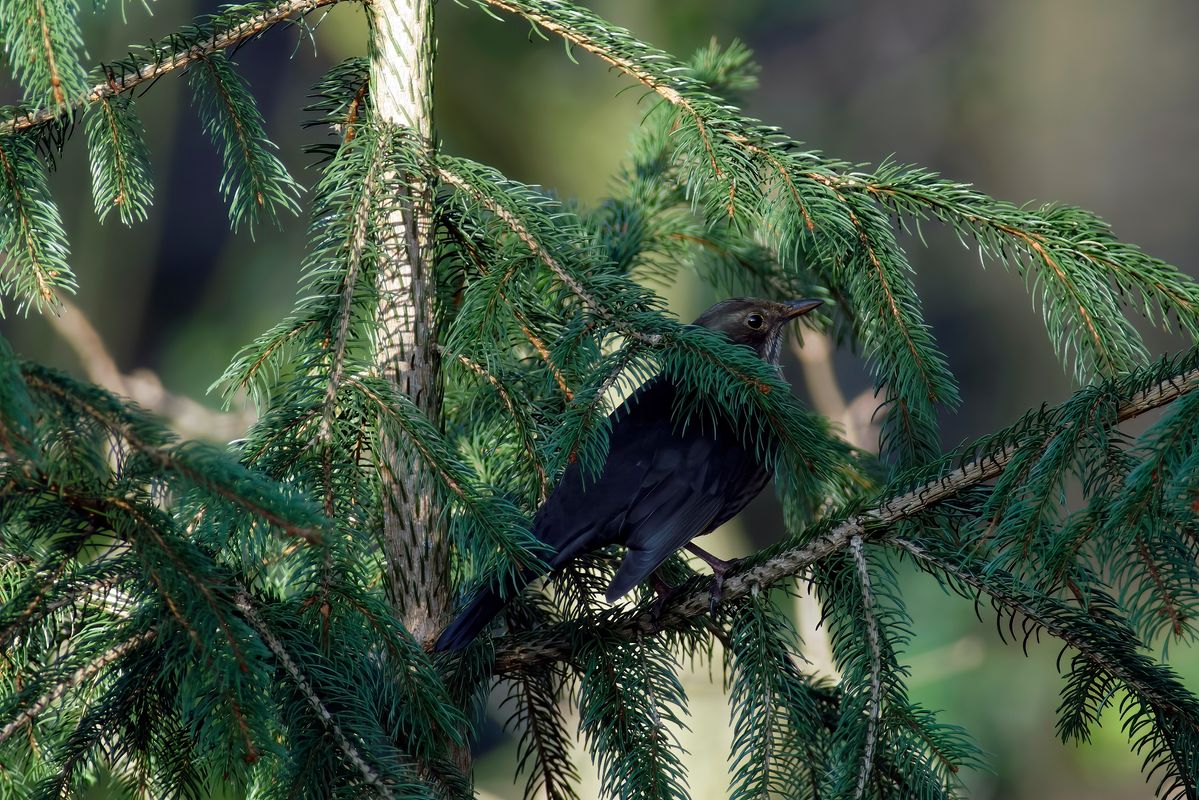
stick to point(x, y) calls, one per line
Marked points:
point(662, 484)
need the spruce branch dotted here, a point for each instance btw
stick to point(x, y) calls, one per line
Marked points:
point(228, 29)
point(326, 330)
point(41, 39)
point(510, 546)
point(779, 739)
point(149, 531)
point(360, 213)
point(18, 433)
point(1161, 716)
point(120, 161)
point(19, 620)
point(490, 200)
point(1152, 526)
point(34, 252)
point(1052, 234)
point(198, 464)
point(1087, 273)
point(628, 694)
point(255, 181)
point(542, 750)
point(519, 413)
point(587, 410)
point(369, 773)
point(98, 581)
point(77, 678)
point(538, 344)
point(875, 705)
point(692, 601)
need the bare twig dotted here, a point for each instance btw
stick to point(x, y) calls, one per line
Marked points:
point(520, 651)
point(815, 356)
point(189, 418)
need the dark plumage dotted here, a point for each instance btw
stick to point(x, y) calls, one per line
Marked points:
point(661, 486)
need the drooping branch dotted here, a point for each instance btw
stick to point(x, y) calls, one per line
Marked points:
point(539, 252)
point(107, 411)
point(1020, 604)
point(114, 84)
point(673, 90)
point(520, 651)
point(82, 675)
point(352, 753)
point(874, 710)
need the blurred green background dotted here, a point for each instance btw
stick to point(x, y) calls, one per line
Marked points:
point(1089, 102)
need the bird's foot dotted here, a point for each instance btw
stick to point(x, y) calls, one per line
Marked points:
point(664, 590)
point(719, 568)
point(717, 590)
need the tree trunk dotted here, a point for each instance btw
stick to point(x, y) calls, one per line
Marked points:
point(415, 542)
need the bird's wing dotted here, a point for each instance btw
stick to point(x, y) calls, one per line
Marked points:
point(691, 487)
point(583, 512)
point(660, 487)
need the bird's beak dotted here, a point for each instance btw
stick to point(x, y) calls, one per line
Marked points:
point(797, 308)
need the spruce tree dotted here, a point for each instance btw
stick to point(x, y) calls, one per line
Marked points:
point(180, 616)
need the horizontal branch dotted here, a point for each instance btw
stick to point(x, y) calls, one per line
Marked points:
point(118, 84)
point(517, 652)
point(717, 122)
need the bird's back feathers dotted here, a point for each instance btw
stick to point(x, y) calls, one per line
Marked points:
point(661, 486)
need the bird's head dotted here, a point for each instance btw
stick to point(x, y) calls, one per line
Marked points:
point(758, 324)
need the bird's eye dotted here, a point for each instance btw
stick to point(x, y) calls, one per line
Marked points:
point(754, 321)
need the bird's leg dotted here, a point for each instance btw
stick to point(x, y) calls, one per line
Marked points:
point(664, 590)
point(660, 586)
point(719, 568)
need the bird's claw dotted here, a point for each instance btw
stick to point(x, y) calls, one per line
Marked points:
point(664, 591)
point(717, 590)
point(719, 568)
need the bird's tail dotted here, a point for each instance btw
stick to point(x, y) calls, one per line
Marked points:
point(480, 611)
